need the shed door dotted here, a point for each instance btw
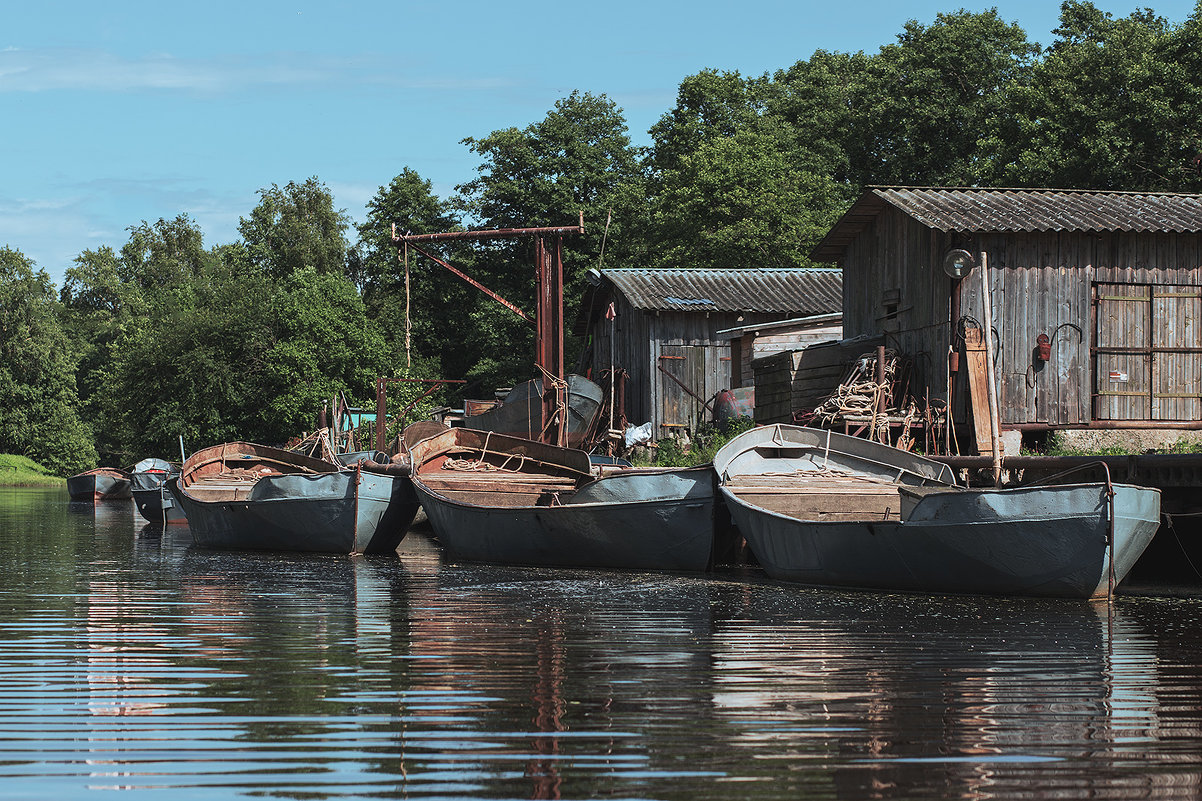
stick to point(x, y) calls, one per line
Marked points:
point(1148, 352)
point(703, 370)
point(680, 366)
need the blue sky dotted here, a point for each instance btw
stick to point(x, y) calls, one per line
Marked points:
point(119, 112)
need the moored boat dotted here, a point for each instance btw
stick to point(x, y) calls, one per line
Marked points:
point(495, 498)
point(243, 496)
point(99, 484)
point(826, 509)
point(148, 484)
point(519, 414)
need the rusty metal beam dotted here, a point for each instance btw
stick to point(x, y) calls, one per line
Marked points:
point(497, 233)
point(476, 284)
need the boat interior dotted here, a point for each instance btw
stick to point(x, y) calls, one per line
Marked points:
point(498, 479)
point(816, 484)
point(229, 473)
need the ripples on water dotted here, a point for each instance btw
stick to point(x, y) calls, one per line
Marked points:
point(129, 660)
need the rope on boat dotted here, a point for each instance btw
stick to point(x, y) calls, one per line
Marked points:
point(560, 387)
point(482, 465)
point(1168, 521)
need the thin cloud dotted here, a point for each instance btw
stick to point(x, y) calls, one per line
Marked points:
point(44, 70)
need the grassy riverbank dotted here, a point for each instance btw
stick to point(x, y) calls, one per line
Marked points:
point(20, 471)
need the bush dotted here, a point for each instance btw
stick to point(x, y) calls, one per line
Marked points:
point(707, 440)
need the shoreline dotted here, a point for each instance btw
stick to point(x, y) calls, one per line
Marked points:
point(21, 471)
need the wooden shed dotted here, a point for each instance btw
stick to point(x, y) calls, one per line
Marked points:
point(1095, 297)
point(665, 324)
point(760, 340)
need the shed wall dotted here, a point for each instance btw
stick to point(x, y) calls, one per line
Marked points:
point(685, 344)
point(893, 284)
point(1040, 283)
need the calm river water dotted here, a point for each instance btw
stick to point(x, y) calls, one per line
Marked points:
point(130, 660)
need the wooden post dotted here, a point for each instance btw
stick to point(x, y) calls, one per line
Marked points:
point(991, 389)
point(975, 359)
point(879, 411)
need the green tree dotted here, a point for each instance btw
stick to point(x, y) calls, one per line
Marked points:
point(39, 415)
point(256, 365)
point(742, 201)
point(735, 180)
point(928, 100)
point(163, 254)
point(100, 312)
point(1112, 105)
point(821, 103)
point(578, 159)
point(434, 301)
point(296, 227)
point(709, 105)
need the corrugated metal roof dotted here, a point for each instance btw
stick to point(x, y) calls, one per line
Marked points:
point(800, 291)
point(1018, 210)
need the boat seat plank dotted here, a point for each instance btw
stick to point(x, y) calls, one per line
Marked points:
point(831, 484)
point(214, 493)
point(824, 505)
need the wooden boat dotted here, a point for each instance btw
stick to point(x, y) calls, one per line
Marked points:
point(243, 496)
point(494, 498)
point(152, 499)
point(520, 413)
point(826, 509)
point(99, 484)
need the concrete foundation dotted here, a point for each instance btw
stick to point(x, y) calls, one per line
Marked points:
point(1132, 440)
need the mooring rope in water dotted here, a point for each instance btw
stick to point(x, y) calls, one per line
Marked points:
point(1168, 520)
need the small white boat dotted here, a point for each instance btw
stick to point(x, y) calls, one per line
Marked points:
point(825, 509)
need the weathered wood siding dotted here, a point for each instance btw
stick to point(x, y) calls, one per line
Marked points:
point(1128, 295)
point(800, 380)
point(631, 346)
point(685, 344)
point(893, 284)
point(1064, 285)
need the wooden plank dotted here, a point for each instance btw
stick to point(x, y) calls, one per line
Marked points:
point(974, 349)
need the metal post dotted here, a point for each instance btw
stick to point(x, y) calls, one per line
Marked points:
point(380, 414)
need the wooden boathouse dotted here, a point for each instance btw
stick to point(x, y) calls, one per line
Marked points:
point(671, 331)
point(1094, 298)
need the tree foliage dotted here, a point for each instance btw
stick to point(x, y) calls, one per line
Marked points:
point(577, 160)
point(1112, 105)
point(39, 408)
point(294, 228)
point(414, 316)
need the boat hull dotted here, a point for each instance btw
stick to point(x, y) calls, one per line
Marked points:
point(928, 535)
point(342, 512)
point(520, 415)
point(660, 521)
point(101, 484)
point(1059, 552)
point(154, 501)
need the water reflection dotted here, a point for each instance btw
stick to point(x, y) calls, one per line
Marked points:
point(132, 660)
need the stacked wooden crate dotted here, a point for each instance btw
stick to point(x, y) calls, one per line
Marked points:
point(800, 380)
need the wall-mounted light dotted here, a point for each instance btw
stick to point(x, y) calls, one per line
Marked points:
point(958, 263)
